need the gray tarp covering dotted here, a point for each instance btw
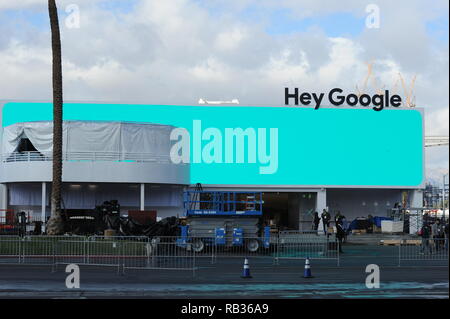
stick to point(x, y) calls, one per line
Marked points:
point(90, 136)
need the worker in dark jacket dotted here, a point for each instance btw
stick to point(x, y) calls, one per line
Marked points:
point(325, 220)
point(446, 235)
point(425, 233)
point(337, 216)
point(340, 233)
point(316, 221)
point(22, 223)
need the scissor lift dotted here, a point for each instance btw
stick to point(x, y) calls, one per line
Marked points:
point(224, 218)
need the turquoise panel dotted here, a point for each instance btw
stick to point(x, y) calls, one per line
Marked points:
point(324, 147)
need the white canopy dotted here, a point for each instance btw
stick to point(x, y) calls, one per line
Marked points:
point(91, 136)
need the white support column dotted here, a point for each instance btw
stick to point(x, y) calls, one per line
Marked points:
point(415, 217)
point(3, 202)
point(417, 198)
point(142, 206)
point(43, 204)
point(4, 196)
point(321, 204)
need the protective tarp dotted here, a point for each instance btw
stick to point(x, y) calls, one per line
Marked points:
point(91, 136)
point(139, 139)
point(360, 223)
point(40, 135)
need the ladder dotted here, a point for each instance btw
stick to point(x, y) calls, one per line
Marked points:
point(250, 202)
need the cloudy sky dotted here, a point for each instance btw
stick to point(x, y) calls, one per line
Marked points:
point(176, 51)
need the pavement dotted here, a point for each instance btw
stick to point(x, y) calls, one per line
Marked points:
point(222, 279)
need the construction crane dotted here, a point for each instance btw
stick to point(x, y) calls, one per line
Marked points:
point(410, 100)
point(369, 73)
point(378, 89)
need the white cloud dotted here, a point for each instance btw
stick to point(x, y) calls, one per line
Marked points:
point(230, 40)
point(147, 55)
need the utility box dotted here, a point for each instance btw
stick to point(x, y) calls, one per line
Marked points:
point(238, 239)
point(220, 236)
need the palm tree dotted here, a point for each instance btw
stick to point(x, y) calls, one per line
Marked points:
point(55, 225)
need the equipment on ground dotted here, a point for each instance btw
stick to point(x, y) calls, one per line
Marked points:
point(227, 219)
point(107, 217)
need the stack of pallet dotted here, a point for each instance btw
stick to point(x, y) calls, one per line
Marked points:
point(412, 242)
point(391, 242)
point(403, 242)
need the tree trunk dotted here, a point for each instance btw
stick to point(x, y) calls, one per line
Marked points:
point(55, 225)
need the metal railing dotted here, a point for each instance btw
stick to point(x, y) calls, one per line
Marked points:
point(132, 252)
point(86, 157)
point(425, 249)
point(302, 248)
point(137, 252)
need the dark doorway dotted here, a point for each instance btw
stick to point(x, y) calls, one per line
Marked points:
point(275, 210)
point(25, 145)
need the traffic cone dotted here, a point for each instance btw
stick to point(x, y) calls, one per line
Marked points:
point(307, 273)
point(246, 272)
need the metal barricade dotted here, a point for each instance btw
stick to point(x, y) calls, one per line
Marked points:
point(103, 253)
point(296, 247)
point(158, 253)
point(10, 248)
point(37, 251)
point(425, 249)
point(70, 252)
point(254, 247)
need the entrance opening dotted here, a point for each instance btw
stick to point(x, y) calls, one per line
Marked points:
point(289, 211)
point(25, 145)
point(275, 210)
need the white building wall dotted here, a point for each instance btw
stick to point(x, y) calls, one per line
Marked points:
point(353, 203)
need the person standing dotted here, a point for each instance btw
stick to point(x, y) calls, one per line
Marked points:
point(425, 233)
point(441, 234)
point(344, 227)
point(22, 223)
point(316, 221)
point(446, 236)
point(325, 220)
point(435, 234)
point(337, 217)
point(340, 233)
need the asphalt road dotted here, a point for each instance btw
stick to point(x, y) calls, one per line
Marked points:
point(413, 279)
